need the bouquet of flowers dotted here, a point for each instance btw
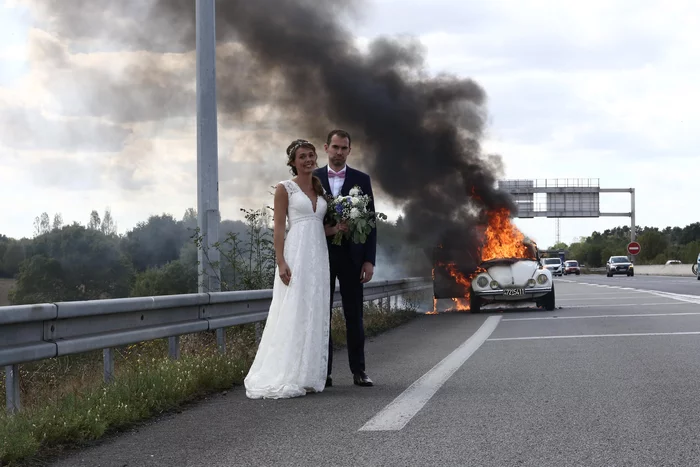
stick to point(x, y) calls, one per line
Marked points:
point(354, 211)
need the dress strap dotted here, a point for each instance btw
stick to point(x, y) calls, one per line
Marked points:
point(290, 186)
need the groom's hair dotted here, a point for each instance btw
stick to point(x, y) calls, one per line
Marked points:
point(341, 133)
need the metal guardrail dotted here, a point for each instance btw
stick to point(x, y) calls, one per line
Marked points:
point(35, 332)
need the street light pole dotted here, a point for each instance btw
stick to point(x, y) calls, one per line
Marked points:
point(208, 216)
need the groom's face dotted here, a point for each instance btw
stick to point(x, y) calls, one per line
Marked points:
point(337, 152)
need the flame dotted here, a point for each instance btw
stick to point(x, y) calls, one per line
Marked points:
point(502, 239)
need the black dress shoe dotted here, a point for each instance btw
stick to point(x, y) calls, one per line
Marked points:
point(329, 381)
point(361, 379)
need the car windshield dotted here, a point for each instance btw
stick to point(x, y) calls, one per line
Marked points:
point(619, 259)
point(572, 263)
point(552, 261)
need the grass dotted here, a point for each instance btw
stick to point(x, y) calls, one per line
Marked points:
point(5, 286)
point(65, 402)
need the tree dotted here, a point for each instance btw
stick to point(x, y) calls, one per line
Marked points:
point(155, 242)
point(190, 220)
point(108, 227)
point(173, 278)
point(74, 263)
point(12, 258)
point(57, 222)
point(655, 245)
point(94, 223)
point(42, 224)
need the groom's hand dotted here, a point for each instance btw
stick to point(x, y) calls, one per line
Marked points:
point(367, 272)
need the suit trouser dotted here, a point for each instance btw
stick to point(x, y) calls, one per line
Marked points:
point(351, 291)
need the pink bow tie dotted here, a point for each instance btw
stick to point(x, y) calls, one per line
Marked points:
point(336, 175)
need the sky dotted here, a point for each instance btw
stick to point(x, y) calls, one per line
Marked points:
point(605, 91)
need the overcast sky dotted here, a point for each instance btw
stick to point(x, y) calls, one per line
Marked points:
point(603, 89)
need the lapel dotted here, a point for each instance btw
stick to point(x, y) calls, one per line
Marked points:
point(323, 176)
point(347, 182)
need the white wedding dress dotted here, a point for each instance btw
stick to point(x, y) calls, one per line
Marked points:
point(292, 358)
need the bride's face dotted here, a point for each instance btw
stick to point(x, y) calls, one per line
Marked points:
point(305, 160)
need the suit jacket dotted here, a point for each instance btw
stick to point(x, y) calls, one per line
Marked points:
point(361, 253)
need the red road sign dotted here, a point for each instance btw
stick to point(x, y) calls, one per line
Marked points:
point(633, 248)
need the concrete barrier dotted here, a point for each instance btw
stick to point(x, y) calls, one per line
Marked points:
point(664, 270)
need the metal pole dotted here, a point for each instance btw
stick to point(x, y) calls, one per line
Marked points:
point(633, 226)
point(207, 149)
point(12, 389)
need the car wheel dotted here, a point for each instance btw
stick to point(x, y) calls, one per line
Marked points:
point(578, 273)
point(474, 303)
point(548, 301)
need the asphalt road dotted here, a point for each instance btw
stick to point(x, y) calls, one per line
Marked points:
point(675, 284)
point(610, 378)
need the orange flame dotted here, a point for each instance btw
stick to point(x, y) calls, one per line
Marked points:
point(502, 239)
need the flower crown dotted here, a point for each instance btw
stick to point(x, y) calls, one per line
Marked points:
point(297, 144)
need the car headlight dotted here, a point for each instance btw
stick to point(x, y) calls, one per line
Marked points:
point(542, 279)
point(494, 284)
point(482, 281)
point(531, 283)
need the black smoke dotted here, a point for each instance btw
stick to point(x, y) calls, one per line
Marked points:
point(419, 136)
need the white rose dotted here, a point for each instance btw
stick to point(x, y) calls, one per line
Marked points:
point(356, 201)
point(355, 191)
point(354, 213)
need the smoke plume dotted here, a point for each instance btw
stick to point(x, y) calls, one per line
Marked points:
point(418, 136)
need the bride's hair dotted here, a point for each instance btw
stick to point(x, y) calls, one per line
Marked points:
point(291, 156)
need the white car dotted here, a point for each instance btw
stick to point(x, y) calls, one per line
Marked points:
point(511, 280)
point(555, 265)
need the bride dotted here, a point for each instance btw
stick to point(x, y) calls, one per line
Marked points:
point(292, 358)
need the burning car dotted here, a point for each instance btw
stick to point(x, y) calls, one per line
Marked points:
point(509, 280)
point(508, 269)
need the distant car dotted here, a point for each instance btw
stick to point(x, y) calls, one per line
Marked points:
point(571, 267)
point(508, 280)
point(554, 265)
point(696, 267)
point(619, 265)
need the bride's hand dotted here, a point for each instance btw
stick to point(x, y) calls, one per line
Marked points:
point(285, 273)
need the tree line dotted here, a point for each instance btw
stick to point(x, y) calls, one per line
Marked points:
point(159, 256)
point(658, 245)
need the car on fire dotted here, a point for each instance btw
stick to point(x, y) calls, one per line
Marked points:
point(513, 280)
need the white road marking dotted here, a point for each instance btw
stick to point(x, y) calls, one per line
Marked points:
point(673, 296)
point(640, 334)
point(603, 316)
point(584, 295)
point(574, 306)
point(402, 409)
point(598, 298)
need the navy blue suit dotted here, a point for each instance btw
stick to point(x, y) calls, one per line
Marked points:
point(346, 262)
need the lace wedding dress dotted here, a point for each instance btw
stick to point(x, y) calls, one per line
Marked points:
point(292, 358)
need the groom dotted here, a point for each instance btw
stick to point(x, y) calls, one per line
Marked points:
point(351, 263)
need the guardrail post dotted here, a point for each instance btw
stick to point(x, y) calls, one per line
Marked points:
point(174, 347)
point(108, 359)
point(221, 339)
point(12, 388)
